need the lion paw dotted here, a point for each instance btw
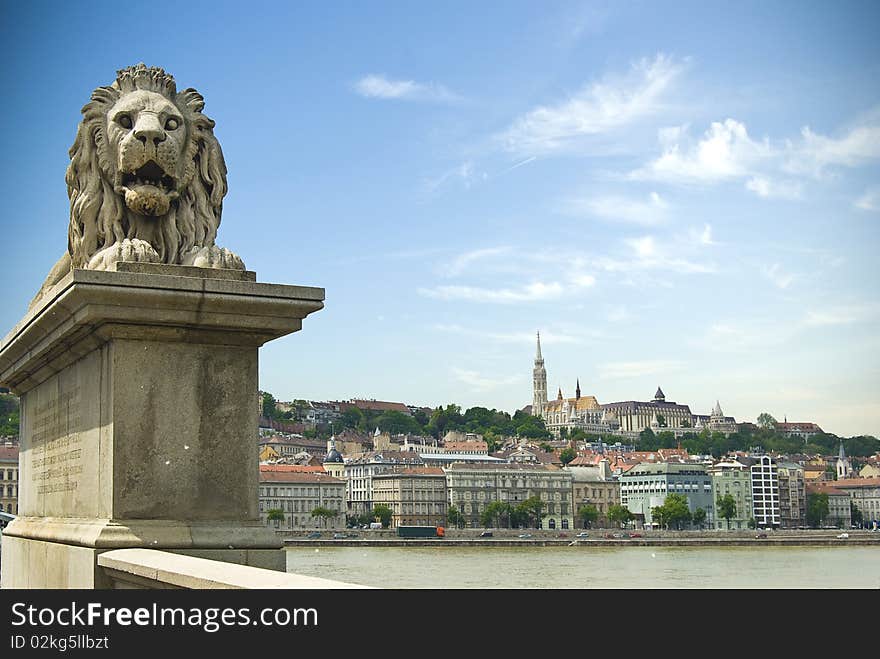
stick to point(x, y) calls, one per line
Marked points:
point(212, 257)
point(131, 250)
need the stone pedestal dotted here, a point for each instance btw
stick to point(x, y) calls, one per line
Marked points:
point(139, 412)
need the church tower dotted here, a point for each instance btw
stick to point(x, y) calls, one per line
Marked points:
point(844, 468)
point(539, 383)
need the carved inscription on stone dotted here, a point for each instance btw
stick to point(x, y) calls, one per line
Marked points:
point(56, 456)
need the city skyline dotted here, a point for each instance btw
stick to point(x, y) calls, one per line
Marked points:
point(683, 195)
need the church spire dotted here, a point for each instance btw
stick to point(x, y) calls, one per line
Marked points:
point(538, 357)
point(539, 383)
point(577, 391)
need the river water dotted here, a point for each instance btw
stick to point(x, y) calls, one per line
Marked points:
point(592, 567)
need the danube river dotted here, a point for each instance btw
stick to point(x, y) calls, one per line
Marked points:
point(592, 567)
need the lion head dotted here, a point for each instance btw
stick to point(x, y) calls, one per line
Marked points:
point(146, 178)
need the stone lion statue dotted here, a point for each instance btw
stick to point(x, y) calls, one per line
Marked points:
point(146, 179)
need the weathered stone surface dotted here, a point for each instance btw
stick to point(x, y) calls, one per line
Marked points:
point(146, 179)
point(138, 403)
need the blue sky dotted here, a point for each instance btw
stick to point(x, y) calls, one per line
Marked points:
point(681, 194)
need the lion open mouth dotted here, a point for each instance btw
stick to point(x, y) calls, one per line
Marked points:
point(148, 174)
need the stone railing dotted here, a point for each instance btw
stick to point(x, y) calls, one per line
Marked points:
point(154, 569)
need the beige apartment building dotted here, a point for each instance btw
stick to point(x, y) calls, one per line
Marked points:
point(472, 487)
point(9, 478)
point(296, 494)
point(415, 495)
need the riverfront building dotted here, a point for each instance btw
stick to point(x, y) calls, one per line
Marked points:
point(472, 487)
point(9, 478)
point(593, 485)
point(792, 495)
point(359, 472)
point(296, 493)
point(732, 477)
point(765, 492)
point(415, 495)
point(646, 485)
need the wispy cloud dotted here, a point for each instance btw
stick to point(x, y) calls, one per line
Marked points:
point(379, 86)
point(636, 369)
point(599, 107)
point(703, 237)
point(534, 292)
point(724, 152)
point(776, 275)
point(856, 146)
point(770, 188)
point(840, 315)
point(646, 253)
point(870, 201)
point(548, 337)
point(463, 261)
point(650, 211)
point(464, 173)
point(478, 382)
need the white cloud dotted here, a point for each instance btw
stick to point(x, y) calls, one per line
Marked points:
point(647, 212)
point(479, 382)
point(860, 144)
point(779, 278)
point(725, 152)
point(705, 237)
point(840, 315)
point(534, 292)
point(528, 338)
point(870, 201)
point(637, 368)
point(767, 188)
point(463, 261)
point(597, 108)
point(378, 86)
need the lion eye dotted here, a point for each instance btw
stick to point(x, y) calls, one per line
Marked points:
point(171, 124)
point(124, 120)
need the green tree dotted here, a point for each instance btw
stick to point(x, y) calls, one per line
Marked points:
point(726, 508)
point(766, 421)
point(532, 509)
point(275, 515)
point(324, 514)
point(397, 423)
point(9, 415)
point(454, 517)
point(620, 514)
point(269, 410)
point(675, 510)
point(588, 515)
point(817, 508)
point(753, 523)
point(352, 418)
point(699, 517)
point(495, 514)
point(382, 513)
point(567, 455)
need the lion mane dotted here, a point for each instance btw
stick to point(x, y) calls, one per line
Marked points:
point(164, 213)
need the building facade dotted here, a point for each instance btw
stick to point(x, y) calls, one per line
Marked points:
point(594, 486)
point(864, 493)
point(635, 416)
point(765, 492)
point(734, 478)
point(360, 469)
point(792, 495)
point(416, 496)
point(9, 478)
point(539, 383)
point(647, 485)
point(472, 487)
point(296, 494)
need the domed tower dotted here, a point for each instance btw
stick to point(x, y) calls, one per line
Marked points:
point(539, 383)
point(333, 462)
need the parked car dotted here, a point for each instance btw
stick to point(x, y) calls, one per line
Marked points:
point(761, 535)
point(486, 534)
point(842, 536)
point(339, 536)
point(636, 535)
point(583, 534)
point(314, 534)
point(525, 535)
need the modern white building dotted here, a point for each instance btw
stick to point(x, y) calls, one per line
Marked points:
point(765, 492)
